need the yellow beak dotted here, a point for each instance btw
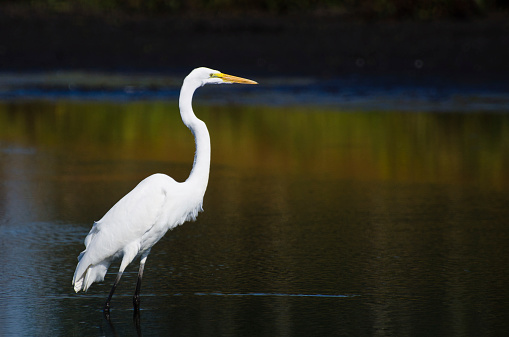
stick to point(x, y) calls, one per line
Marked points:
point(234, 79)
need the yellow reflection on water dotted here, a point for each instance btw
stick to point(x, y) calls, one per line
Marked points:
point(368, 146)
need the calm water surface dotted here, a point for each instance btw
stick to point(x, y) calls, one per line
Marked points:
point(317, 222)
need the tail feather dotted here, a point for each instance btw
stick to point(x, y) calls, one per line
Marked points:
point(86, 272)
point(78, 284)
point(93, 273)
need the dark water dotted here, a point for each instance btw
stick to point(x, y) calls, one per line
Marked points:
point(317, 222)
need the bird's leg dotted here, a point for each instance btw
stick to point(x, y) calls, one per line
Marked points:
point(137, 322)
point(107, 304)
point(136, 297)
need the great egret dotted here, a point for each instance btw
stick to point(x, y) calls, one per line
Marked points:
point(158, 203)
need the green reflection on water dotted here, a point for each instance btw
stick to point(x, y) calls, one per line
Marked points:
point(413, 147)
point(405, 210)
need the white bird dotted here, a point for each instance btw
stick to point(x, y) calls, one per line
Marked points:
point(158, 203)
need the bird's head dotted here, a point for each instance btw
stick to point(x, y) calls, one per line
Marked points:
point(211, 76)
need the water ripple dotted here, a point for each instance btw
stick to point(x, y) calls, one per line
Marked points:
point(278, 295)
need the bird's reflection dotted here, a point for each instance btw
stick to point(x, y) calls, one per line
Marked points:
point(136, 322)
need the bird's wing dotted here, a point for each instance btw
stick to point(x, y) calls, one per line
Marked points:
point(126, 222)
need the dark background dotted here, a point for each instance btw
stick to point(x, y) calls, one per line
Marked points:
point(325, 39)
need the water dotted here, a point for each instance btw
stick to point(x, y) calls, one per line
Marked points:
point(319, 221)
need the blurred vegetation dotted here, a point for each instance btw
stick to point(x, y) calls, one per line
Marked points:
point(452, 148)
point(368, 9)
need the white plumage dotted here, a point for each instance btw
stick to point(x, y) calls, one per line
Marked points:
point(158, 203)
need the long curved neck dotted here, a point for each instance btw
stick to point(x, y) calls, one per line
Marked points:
point(199, 175)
